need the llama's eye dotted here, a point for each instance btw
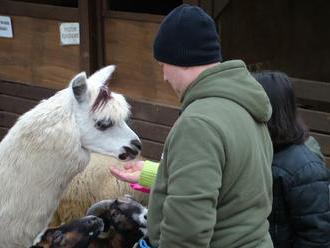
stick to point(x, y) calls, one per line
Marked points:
point(103, 125)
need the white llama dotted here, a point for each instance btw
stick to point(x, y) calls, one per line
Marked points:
point(50, 144)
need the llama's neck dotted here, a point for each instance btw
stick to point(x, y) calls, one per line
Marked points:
point(38, 158)
point(47, 136)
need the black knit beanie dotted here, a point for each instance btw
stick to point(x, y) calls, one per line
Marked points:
point(187, 37)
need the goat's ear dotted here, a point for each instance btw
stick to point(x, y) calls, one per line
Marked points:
point(56, 236)
point(102, 75)
point(79, 86)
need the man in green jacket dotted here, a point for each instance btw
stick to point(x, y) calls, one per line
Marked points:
point(214, 185)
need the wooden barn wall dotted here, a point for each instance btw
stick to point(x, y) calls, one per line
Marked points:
point(35, 55)
point(128, 44)
point(291, 36)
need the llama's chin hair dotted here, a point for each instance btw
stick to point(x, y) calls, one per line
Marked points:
point(124, 157)
point(102, 152)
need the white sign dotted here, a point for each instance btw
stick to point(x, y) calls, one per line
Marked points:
point(5, 27)
point(69, 32)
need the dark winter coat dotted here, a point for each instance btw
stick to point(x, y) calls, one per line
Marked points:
point(301, 204)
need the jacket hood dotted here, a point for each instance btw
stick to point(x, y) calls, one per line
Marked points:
point(231, 80)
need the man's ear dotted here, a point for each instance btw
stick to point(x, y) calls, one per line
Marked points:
point(79, 87)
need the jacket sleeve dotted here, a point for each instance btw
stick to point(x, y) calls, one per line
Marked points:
point(194, 160)
point(309, 204)
point(148, 173)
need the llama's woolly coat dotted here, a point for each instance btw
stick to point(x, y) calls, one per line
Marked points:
point(94, 184)
point(36, 149)
point(51, 144)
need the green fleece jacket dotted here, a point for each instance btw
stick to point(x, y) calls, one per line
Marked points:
point(214, 184)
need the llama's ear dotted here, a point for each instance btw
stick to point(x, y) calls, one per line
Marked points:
point(102, 75)
point(79, 86)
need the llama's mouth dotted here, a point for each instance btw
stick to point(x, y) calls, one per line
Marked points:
point(125, 156)
point(129, 154)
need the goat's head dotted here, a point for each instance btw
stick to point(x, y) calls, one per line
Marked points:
point(101, 116)
point(76, 234)
point(123, 215)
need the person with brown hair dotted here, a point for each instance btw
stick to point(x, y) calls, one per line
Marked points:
point(301, 181)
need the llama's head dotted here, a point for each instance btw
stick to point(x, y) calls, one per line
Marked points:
point(101, 116)
point(78, 233)
point(123, 215)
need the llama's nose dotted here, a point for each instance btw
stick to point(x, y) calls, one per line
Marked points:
point(132, 151)
point(137, 144)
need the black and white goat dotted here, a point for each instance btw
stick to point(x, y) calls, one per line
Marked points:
point(123, 223)
point(124, 220)
point(76, 234)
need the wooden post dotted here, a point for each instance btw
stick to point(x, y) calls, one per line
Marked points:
point(100, 7)
point(218, 7)
point(88, 35)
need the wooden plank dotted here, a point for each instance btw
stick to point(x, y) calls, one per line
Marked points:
point(139, 17)
point(161, 8)
point(15, 104)
point(43, 11)
point(152, 112)
point(100, 5)
point(25, 91)
point(105, 7)
point(3, 132)
point(35, 55)
point(316, 120)
point(151, 150)
point(150, 131)
point(7, 119)
point(312, 90)
point(324, 141)
point(88, 36)
point(259, 33)
point(138, 75)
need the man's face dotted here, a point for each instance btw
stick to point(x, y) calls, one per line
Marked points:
point(174, 75)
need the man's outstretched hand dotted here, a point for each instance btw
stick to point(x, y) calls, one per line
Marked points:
point(130, 172)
